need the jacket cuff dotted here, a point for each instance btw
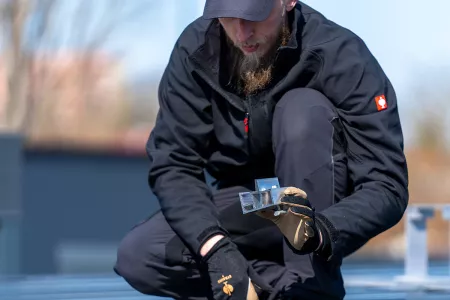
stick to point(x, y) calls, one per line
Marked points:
point(206, 234)
point(330, 237)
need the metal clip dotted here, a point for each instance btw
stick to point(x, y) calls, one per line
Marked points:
point(266, 197)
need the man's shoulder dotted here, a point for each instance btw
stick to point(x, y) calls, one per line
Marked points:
point(321, 32)
point(194, 35)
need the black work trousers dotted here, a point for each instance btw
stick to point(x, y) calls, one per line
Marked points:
point(153, 260)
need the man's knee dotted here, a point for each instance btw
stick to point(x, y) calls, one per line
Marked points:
point(309, 146)
point(133, 264)
point(152, 259)
point(300, 114)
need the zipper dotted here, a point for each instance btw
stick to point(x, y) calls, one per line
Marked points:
point(241, 106)
point(246, 125)
point(219, 90)
point(247, 117)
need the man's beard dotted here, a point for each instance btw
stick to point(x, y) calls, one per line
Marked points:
point(253, 71)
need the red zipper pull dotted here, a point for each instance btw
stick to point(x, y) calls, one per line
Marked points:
point(246, 123)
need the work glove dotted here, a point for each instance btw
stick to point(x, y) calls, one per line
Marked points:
point(297, 222)
point(232, 278)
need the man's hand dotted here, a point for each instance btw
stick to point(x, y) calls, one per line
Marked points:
point(232, 278)
point(298, 222)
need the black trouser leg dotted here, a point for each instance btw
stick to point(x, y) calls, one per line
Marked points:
point(309, 156)
point(153, 260)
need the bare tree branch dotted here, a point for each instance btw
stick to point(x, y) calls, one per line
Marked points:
point(21, 47)
point(113, 17)
point(17, 66)
point(44, 10)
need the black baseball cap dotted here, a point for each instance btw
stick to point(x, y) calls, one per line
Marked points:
point(250, 10)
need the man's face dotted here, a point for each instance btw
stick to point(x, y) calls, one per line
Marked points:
point(257, 38)
point(255, 44)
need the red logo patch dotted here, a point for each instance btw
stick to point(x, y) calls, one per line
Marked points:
point(381, 102)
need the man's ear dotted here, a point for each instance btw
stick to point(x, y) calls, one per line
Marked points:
point(290, 4)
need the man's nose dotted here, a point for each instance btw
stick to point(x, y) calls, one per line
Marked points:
point(244, 30)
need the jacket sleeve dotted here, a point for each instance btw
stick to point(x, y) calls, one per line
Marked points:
point(352, 78)
point(178, 149)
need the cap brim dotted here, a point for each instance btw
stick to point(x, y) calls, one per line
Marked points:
point(250, 10)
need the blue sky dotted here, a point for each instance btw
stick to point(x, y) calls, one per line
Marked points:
point(409, 39)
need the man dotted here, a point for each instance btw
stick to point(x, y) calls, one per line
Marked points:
point(257, 89)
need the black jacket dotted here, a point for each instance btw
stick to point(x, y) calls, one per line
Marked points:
point(200, 125)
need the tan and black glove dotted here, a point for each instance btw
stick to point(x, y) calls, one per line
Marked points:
point(297, 222)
